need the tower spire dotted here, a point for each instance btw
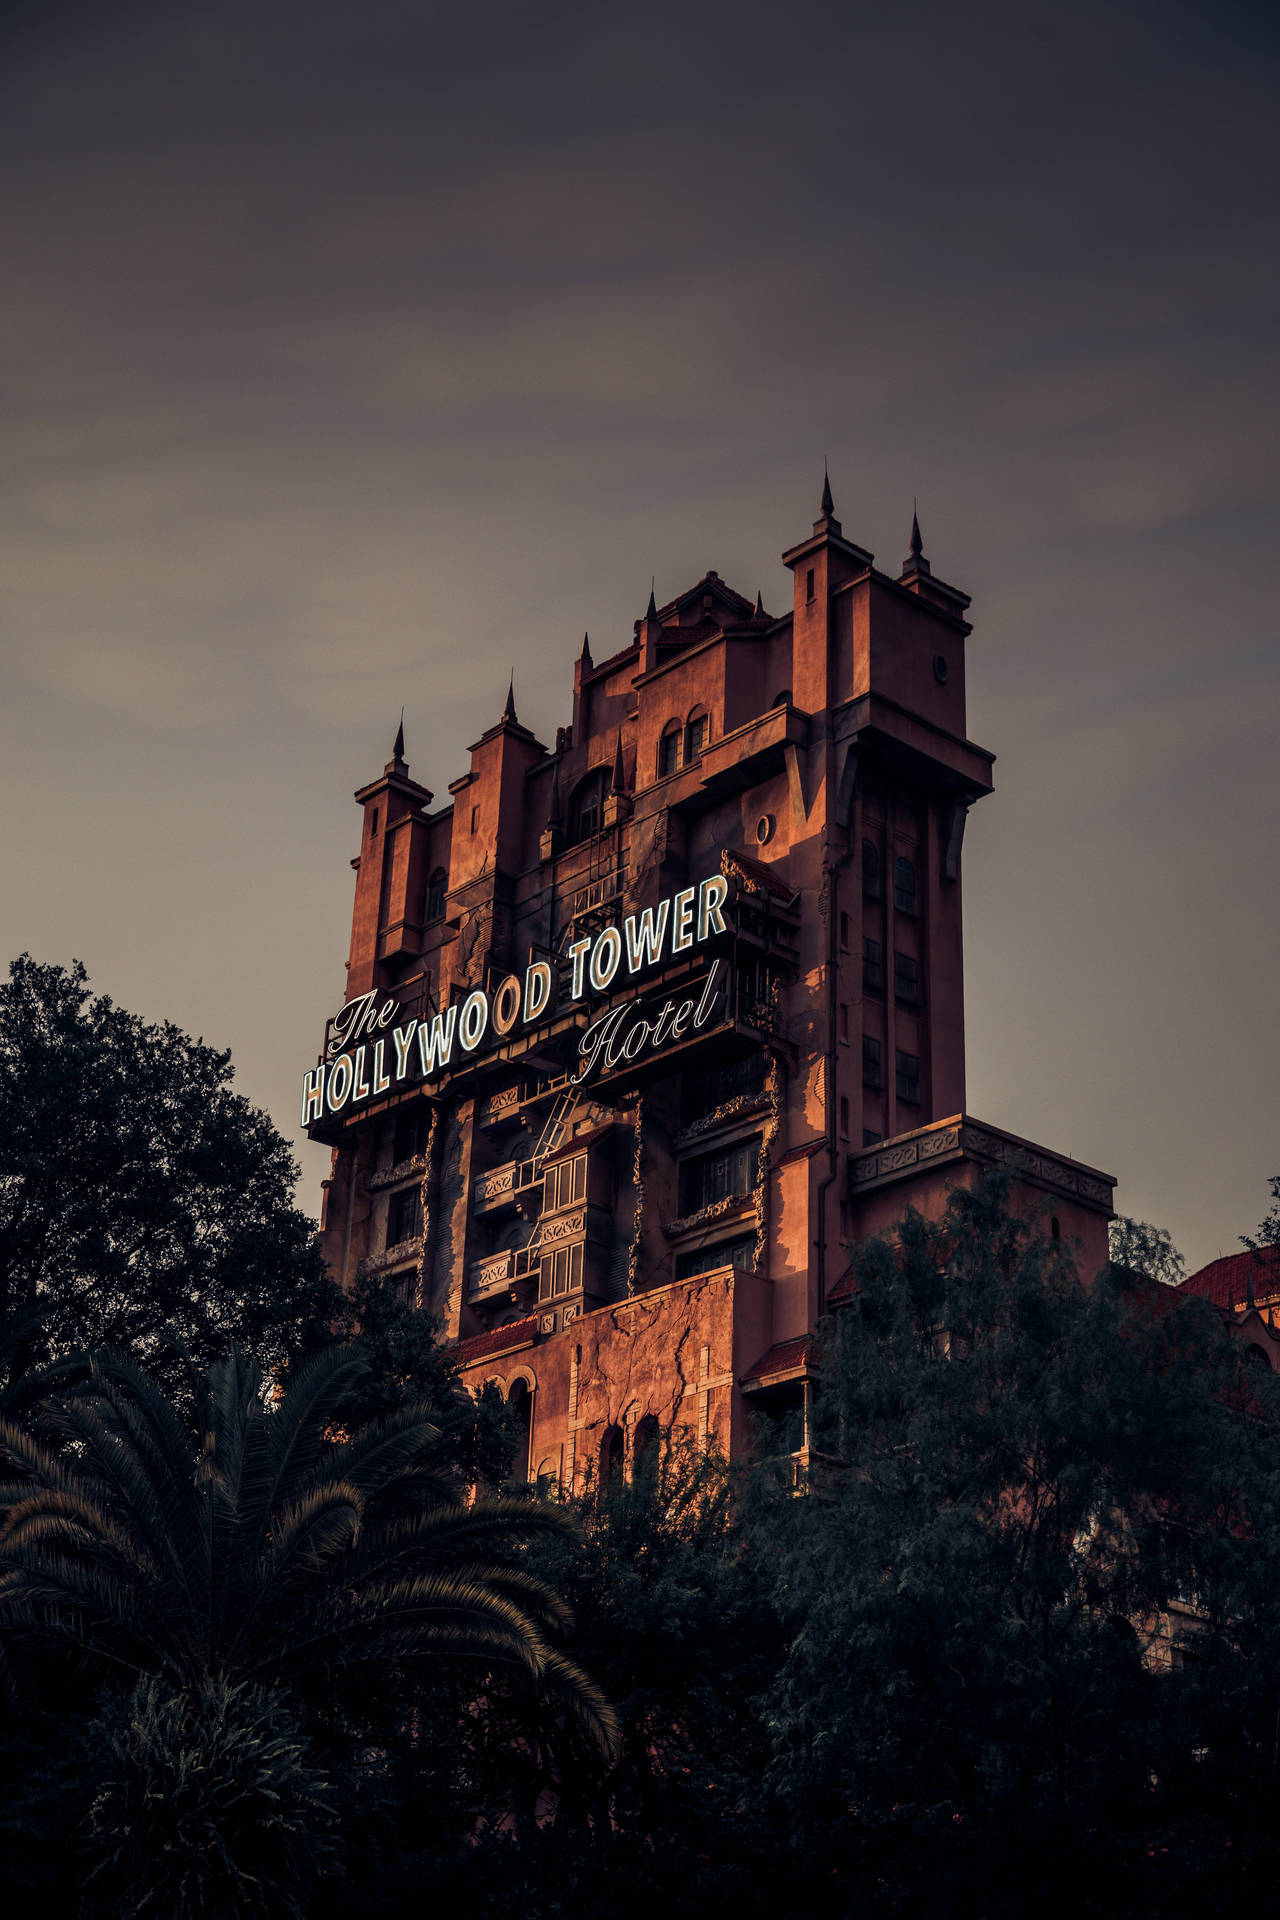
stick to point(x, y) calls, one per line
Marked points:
point(651, 611)
point(585, 655)
point(915, 561)
point(397, 751)
point(509, 711)
point(827, 505)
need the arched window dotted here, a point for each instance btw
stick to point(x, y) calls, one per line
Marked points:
point(520, 1401)
point(611, 1456)
point(437, 887)
point(669, 749)
point(870, 870)
point(696, 729)
point(587, 810)
point(904, 885)
point(782, 699)
point(644, 1455)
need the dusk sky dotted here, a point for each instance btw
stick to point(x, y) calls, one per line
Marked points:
point(354, 357)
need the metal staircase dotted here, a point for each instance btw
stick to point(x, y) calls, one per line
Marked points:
point(553, 1132)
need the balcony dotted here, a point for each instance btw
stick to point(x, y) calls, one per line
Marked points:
point(489, 1276)
point(514, 1186)
point(502, 1109)
point(399, 1255)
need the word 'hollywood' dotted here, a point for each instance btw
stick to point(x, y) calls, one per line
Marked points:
point(357, 1068)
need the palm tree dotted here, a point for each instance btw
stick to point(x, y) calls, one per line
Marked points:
point(267, 1546)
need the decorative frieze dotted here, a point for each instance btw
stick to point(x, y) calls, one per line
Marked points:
point(967, 1140)
point(403, 1252)
point(403, 1170)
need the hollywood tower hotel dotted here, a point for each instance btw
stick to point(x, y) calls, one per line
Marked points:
point(640, 1030)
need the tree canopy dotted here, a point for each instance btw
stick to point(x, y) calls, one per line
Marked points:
point(140, 1198)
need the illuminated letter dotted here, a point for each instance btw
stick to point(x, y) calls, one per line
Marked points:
point(681, 915)
point(595, 1041)
point(475, 1018)
point(506, 1005)
point(605, 956)
point(706, 1004)
point(381, 1080)
point(339, 1082)
point(539, 983)
point(645, 935)
point(359, 1086)
point(578, 953)
point(400, 1039)
point(711, 895)
point(435, 1042)
point(345, 1026)
point(312, 1095)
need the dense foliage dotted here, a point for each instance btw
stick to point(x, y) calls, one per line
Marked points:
point(278, 1634)
point(139, 1197)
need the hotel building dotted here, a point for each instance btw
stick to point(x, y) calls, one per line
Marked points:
point(642, 1028)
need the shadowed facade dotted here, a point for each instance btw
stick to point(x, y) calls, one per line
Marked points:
point(641, 1029)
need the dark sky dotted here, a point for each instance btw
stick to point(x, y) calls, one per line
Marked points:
point(353, 356)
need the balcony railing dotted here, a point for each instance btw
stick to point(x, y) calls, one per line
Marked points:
point(509, 1185)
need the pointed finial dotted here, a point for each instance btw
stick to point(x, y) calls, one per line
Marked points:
point(585, 655)
point(758, 612)
point(397, 752)
point(618, 782)
point(827, 505)
point(509, 711)
point(651, 611)
point(915, 563)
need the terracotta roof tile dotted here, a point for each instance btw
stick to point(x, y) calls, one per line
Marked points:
point(498, 1340)
point(1226, 1281)
point(784, 1358)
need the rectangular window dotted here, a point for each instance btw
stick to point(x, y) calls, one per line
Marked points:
point(561, 1272)
point(475, 814)
point(404, 1216)
point(740, 1253)
point(808, 584)
point(873, 966)
point(844, 1023)
point(871, 1069)
point(908, 1077)
point(870, 1138)
point(701, 1093)
point(870, 870)
point(719, 1176)
point(906, 977)
point(844, 931)
point(844, 1116)
point(566, 1182)
point(410, 1135)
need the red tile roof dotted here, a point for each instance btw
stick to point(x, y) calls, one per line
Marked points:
point(784, 1358)
point(497, 1340)
point(1226, 1281)
point(844, 1289)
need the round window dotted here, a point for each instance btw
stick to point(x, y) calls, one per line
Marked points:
point(764, 829)
point(940, 668)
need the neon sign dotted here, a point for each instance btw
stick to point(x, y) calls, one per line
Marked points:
point(367, 1053)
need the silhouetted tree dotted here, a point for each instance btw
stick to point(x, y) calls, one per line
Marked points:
point(139, 1197)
